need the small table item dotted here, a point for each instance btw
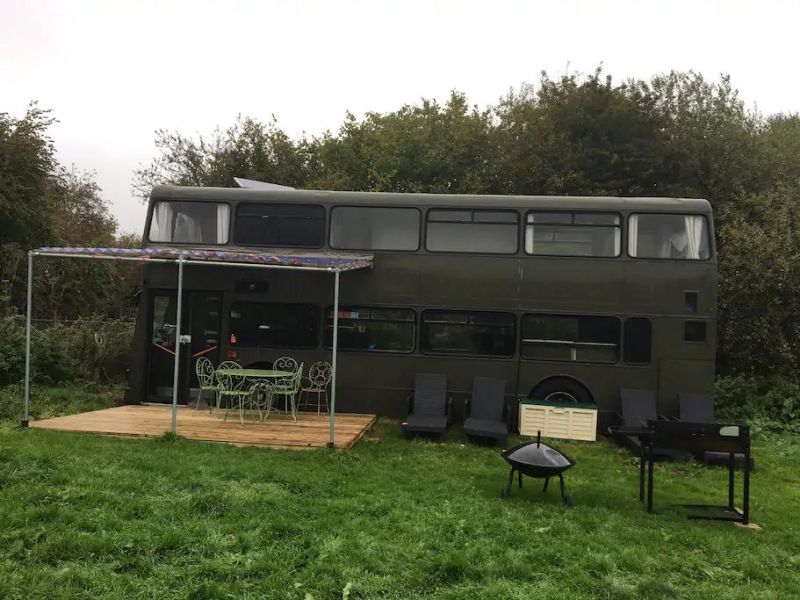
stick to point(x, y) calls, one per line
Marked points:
point(539, 461)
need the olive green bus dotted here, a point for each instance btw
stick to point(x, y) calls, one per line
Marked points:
point(568, 298)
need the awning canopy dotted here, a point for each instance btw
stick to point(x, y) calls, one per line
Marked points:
point(321, 262)
point(318, 261)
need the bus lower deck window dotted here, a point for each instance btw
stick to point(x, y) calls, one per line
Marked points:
point(577, 338)
point(257, 324)
point(373, 329)
point(468, 332)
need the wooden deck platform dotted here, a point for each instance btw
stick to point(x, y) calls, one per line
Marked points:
point(279, 431)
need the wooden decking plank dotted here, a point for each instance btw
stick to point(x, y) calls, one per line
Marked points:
point(279, 431)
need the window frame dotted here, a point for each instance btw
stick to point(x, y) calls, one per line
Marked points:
point(329, 309)
point(152, 211)
point(709, 237)
point(625, 343)
point(329, 228)
point(473, 222)
point(703, 322)
point(238, 345)
point(235, 221)
point(574, 345)
point(621, 226)
point(422, 323)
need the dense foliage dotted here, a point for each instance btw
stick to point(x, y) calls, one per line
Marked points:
point(89, 349)
point(44, 204)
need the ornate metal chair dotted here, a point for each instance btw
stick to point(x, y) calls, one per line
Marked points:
point(230, 387)
point(205, 378)
point(289, 388)
point(285, 363)
point(260, 398)
point(317, 382)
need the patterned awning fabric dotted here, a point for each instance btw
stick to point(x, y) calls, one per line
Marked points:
point(321, 261)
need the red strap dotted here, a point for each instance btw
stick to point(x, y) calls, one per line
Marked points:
point(206, 351)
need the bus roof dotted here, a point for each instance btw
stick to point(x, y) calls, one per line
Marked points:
point(217, 194)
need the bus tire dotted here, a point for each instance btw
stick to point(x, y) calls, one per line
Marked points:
point(561, 389)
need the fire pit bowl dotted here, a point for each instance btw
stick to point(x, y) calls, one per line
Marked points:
point(539, 461)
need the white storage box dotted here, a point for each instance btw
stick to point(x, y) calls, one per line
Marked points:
point(558, 420)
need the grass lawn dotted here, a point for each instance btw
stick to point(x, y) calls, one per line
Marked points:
point(83, 516)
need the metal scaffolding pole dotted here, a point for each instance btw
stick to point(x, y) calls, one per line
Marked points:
point(176, 368)
point(25, 419)
point(331, 435)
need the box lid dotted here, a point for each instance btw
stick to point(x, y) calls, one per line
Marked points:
point(555, 404)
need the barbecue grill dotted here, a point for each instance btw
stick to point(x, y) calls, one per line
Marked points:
point(539, 461)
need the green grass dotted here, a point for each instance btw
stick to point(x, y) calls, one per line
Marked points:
point(83, 516)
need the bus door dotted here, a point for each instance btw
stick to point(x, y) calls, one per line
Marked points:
point(200, 332)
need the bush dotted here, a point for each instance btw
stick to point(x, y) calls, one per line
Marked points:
point(48, 402)
point(85, 350)
point(745, 397)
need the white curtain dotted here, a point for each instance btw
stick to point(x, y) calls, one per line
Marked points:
point(187, 230)
point(633, 235)
point(161, 224)
point(694, 235)
point(223, 223)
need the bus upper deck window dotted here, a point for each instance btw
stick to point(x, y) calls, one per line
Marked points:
point(682, 237)
point(282, 225)
point(472, 231)
point(573, 234)
point(190, 223)
point(374, 228)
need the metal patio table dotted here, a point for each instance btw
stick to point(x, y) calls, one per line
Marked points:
point(253, 374)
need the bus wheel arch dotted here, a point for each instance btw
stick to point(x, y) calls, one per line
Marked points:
point(561, 388)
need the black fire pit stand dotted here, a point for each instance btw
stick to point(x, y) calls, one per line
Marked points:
point(539, 461)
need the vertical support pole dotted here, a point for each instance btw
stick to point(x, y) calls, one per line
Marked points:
point(731, 471)
point(641, 469)
point(28, 315)
point(746, 482)
point(331, 434)
point(176, 368)
point(650, 460)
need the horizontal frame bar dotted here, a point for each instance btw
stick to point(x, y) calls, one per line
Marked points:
point(214, 263)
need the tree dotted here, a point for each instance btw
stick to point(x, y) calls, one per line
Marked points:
point(580, 135)
point(248, 148)
point(759, 285)
point(43, 204)
point(419, 148)
point(26, 161)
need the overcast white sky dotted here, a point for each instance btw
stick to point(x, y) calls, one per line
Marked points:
point(115, 71)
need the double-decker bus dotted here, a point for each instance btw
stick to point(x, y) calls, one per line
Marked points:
point(569, 298)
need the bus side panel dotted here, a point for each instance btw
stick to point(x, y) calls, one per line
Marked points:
point(382, 383)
